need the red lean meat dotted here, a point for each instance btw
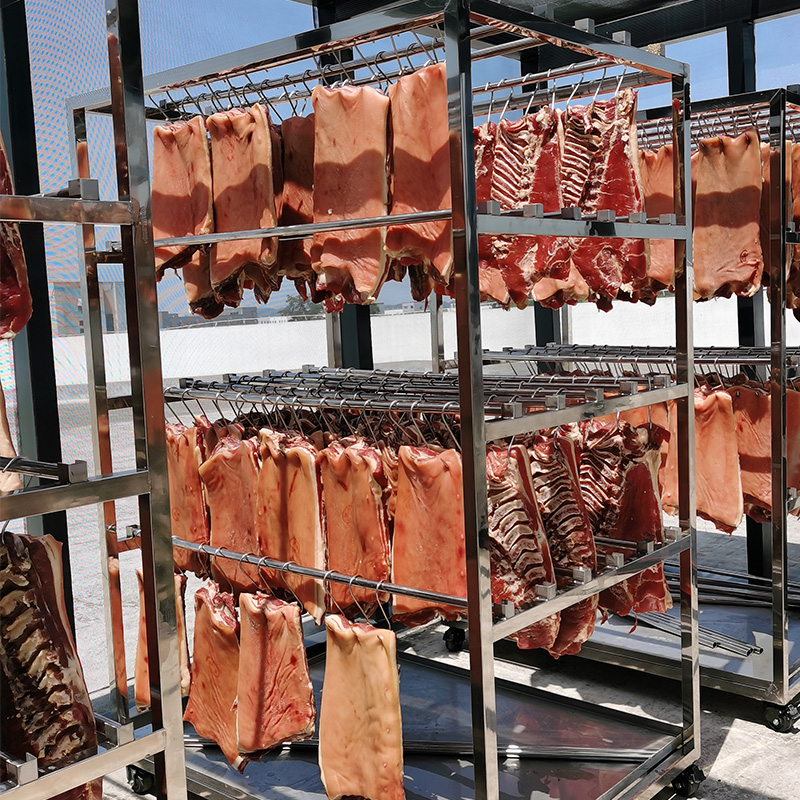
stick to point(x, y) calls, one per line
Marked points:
point(141, 673)
point(428, 532)
point(215, 669)
point(188, 511)
point(520, 554)
point(275, 699)
point(289, 515)
point(244, 199)
point(659, 198)
point(360, 731)
point(421, 177)
point(356, 524)
point(727, 250)
point(230, 477)
point(351, 181)
point(15, 297)
point(46, 707)
point(9, 481)
point(182, 206)
point(555, 472)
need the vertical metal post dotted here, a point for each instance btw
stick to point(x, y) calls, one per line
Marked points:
point(133, 180)
point(470, 376)
point(684, 339)
point(437, 333)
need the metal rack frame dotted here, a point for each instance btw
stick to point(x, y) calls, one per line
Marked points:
point(456, 21)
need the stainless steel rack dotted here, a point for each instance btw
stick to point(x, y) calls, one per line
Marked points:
point(260, 74)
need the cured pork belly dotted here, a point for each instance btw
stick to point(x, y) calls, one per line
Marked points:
point(356, 524)
point(215, 672)
point(421, 175)
point(351, 181)
point(360, 731)
point(289, 515)
point(141, 673)
point(188, 511)
point(9, 481)
point(727, 250)
point(275, 699)
point(16, 305)
point(555, 472)
point(659, 198)
point(718, 482)
point(244, 199)
point(230, 478)
point(428, 550)
point(48, 712)
point(520, 555)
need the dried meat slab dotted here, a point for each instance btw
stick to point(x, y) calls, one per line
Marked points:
point(360, 730)
point(230, 478)
point(356, 523)
point(42, 677)
point(351, 181)
point(215, 669)
point(188, 510)
point(275, 698)
point(658, 183)
point(727, 202)
point(428, 532)
point(244, 199)
point(421, 173)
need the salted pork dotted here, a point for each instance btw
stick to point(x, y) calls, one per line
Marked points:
point(658, 183)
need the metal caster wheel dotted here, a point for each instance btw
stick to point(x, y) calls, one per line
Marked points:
point(688, 782)
point(454, 639)
point(140, 780)
point(781, 718)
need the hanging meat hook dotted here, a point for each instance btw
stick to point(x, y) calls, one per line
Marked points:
point(358, 605)
point(380, 605)
point(599, 86)
point(327, 591)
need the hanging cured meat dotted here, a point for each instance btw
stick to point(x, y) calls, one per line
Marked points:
point(428, 532)
point(244, 199)
point(658, 183)
point(360, 731)
point(48, 713)
point(421, 175)
point(351, 181)
point(520, 555)
point(555, 471)
point(9, 481)
point(141, 674)
point(793, 279)
point(188, 511)
point(215, 668)
point(727, 250)
point(274, 697)
point(16, 306)
point(356, 525)
point(554, 293)
point(230, 477)
point(289, 515)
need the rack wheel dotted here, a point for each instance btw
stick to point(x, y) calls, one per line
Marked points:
point(140, 780)
point(688, 782)
point(454, 639)
point(781, 718)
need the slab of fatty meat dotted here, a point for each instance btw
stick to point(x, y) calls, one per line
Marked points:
point(428, 550)
point(289, 515)
point(520, 555)
point(726, 243)
point(46, 707)
point(421, 171)
point(275, 698)
point(360, 730)
point(554, 293)
point(9, 481)
point(613, 267)
point(351, 181)
point(188, 510)
point(16, 305)
point(356, 523)
point(141, 673)
point(718, 482)
point(659, 198)
point(492, 284)
point(770, 160)
point(230, 478)
point(555, 473)
point(215, 671)
point(793, 278)
point(244, 200)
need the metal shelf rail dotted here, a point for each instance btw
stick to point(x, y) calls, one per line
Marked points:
point(260, 74)
point(164, 742)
